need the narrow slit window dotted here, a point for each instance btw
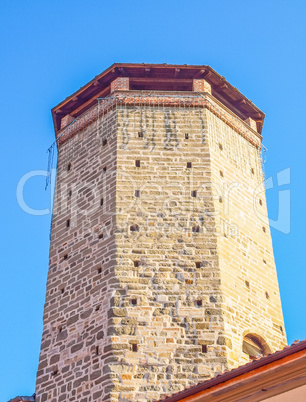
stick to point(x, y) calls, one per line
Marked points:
point(134, 347)
point(100, 236)
point(198, 264)
point(104, 169)
point(221, 173)
point(194, 193)
point(68, 223)
point(65, 257)
point(99, 270)
point(199, 303)
point(189, 165)
point(186, 136)
point(134, 302)
point(136, 263)
point(220, 146)
point(204, 348)
point(68, 167)
point(104, 142)
point(137, 163)
point(140, 134)
point(101, 202)
point(137, 193)
point(97, 350)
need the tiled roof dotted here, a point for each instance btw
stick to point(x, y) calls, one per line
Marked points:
point(296, 346)
point(23, 398)
point(151, 76)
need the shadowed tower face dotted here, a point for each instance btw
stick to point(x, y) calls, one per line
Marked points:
point(161, 264)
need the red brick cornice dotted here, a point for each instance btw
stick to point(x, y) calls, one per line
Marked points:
point(175, 100)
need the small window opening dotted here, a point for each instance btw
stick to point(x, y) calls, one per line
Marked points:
point(137, 163)
point(220, 199)
point(104, 169)
point(65, 256)
point(55, 371)
point(70, 193)
point(134, 228)
point(260, 202)
point(264, 261)
point(189, 165)
point(60, 329)
point(104, 142)
point(136, 263)
point(140, 134)
point(196, 229)
point(99, 270)
point(68, 167)
point(97, 350)
point(100, 236)
point(97, 308)
point(198, 264)
point(254, 347)
point(264, 229)
point(267, 295)
point(247, 284)
point(252, 170)
point(101, 202)
point(186, 136)
point(220, 146)
point(68, 223)
point(134, 347)
point(134, 302)
point(137, 193)
point(199, 303)
point(281, 329)
point(204, 348)
point(221, 173)
point(62, 289)
point(194, 193)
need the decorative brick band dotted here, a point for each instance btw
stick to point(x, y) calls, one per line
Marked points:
point(120, 84)
point(104, 105)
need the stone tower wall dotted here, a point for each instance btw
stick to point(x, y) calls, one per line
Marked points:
point(248, 274)
point(176, 267)
point(145, 294)
point(81, 272)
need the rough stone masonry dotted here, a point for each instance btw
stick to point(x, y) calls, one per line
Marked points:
point(161, 260)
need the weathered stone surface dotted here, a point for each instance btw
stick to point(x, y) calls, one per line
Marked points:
point(149, 293)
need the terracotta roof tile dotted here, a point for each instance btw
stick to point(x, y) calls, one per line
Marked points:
point(296, 346)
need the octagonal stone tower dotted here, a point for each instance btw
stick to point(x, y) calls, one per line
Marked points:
point(161, 264)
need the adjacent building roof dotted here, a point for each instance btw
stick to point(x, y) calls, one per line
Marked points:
point(156, 77)
point(258, 380)
point(23, 398)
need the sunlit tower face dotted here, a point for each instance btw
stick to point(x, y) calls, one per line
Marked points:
point(161, 256)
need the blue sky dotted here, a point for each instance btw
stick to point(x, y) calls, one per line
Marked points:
point(51, 48)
